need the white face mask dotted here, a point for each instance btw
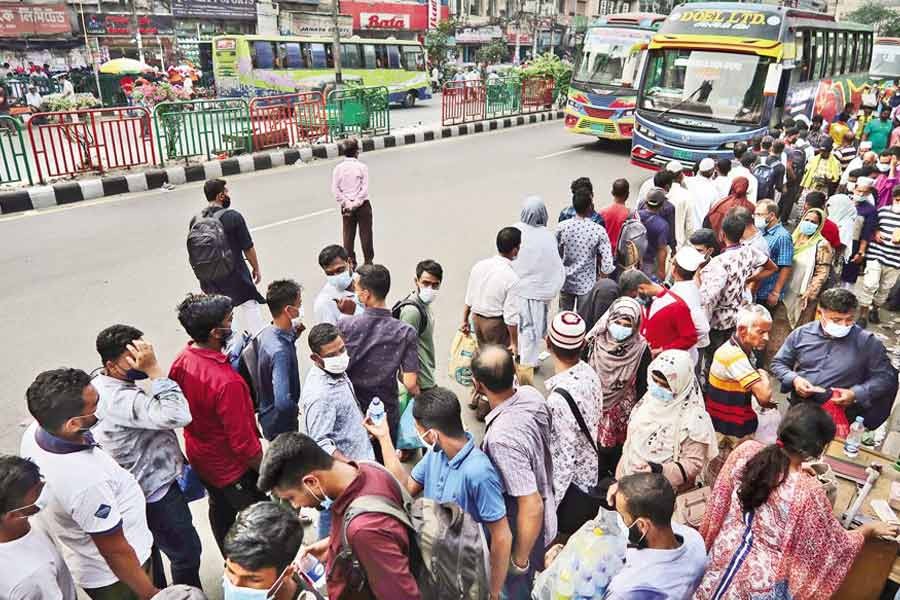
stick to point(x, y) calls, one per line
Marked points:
point(341, 281)
point(298, 320)
point(336, 364)
point(424, 442)
point(836, 330)
point(759, 222)
point(883, 167)
point(427, 294)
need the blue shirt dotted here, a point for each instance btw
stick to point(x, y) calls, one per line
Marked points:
point(279, 381)
point(332, 416)
point(569, 213)
point(469, 479)
point(781, 251)
point(657, 234)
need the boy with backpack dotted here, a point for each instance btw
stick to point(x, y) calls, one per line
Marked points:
point(769, 171)
point(415, 310)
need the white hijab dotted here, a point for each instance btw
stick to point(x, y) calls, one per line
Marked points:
point(538, 265)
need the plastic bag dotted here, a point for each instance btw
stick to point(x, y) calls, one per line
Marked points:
point(461, 351)
point(767, 430)
point(407, 438)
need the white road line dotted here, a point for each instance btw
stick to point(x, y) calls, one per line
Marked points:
point(292, 220)
point(560, 153)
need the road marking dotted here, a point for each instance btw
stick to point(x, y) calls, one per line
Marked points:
point(560, 153)
point(292, 220)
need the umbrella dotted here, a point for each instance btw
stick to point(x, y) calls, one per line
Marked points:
point(121, 66)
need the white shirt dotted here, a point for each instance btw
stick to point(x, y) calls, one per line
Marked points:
point(690, 293)
point(723, 186)
point(34, 99)
point(704, 194)
point(742, 171)
point(68, 90)
point(642, 194)
point(325, 309)
point(89, 493)
point(489, 292)
point(681, 199)
point(34, 569)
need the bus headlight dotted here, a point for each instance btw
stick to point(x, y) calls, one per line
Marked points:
point(727, 146)
point(644, 131)
point(628, 113)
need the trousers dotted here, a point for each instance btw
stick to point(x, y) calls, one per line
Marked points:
point(360, 218)
point(169, 519)
point(226, 502)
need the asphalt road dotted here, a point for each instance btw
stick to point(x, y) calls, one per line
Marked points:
point(70, 271)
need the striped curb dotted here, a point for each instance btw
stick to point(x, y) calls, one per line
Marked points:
point(69, 192)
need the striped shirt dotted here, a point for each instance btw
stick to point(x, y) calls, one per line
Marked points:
point(728, 397)
point(886, 251)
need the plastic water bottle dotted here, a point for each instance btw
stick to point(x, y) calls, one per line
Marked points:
point(376, 410)
point(854, 438)
point(584, 588)
point(315, 570)
point(565, 588)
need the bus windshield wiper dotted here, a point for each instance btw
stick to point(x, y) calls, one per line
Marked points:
point(682, 101)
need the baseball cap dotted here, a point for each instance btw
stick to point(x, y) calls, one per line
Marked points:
point(567, 330)
point(707, 164)
point(689, 258)
point(675, 166)
point(656, 197)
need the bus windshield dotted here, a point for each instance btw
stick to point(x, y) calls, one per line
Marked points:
point(723, 86)
point(885, 61)
point(609, 61)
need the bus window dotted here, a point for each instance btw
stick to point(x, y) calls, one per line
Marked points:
point(262, 55)
point(317, 56)
point(818, 66)
point(829, 53)
point(292, 58)
point(393, 57)
point(852, 52)
point(413, 60)
point(369, 56)
point(840, 61)
point(350, 57)
point(381, 58)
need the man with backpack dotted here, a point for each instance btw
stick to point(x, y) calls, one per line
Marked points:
point(218, 242)
point(794, 158)
point(367, 553)
point(455, 470)
point(415, 309)
point(769, 171)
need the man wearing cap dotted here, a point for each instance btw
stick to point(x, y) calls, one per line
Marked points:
point(688, 261)
point(681, 199)
point(824, 170)
point(653, 263)
point(863, 158)
point(702, 190)
point(667, 323)
point(575, 386)
point(33, 99)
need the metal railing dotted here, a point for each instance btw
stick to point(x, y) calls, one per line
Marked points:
point(469, 101)
point(288, 119)
point(502, 97)
point(462, 102)
point(202, 128)
point(537, 94)
point(358, 111)
point(15, 167)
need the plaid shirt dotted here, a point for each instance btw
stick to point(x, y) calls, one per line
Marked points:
point(781, 251)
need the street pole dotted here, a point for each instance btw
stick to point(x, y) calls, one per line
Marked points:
point(336, 45)
point(137, 31)
point(87, 45)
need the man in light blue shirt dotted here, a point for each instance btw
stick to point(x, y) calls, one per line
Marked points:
point(454, 470)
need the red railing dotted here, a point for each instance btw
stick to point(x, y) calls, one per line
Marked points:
point(287, 119)
point(462, 102)
point(537, 94)
point(81, 141)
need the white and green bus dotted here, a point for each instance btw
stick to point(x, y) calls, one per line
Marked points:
point(257, 65)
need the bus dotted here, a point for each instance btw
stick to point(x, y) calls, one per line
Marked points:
point(885, 59)
point(719, 73)
point(257, 65)
point(602, 92)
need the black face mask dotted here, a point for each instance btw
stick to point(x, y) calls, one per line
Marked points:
point(226, 202)
point(636, 538)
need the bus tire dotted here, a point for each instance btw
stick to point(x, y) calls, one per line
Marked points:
point(410, 100)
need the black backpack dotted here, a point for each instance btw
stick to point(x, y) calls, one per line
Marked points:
point(423, 316)
point(208, 250)
point(765, 178)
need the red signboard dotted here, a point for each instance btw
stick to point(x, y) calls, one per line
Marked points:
point(19, 20)
point(399, 16)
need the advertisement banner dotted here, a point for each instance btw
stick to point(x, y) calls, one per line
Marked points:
point(22, 20)
point(391, 15)
point(100, 24)
point(320, 25)
point(482, 35)
point(215, 9)
point(434, 13)
point(745, 23)
point(383, 21)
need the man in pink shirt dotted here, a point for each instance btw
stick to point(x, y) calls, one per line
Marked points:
point(350, 186)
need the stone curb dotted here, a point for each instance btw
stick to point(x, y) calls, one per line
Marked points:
point(69, 192)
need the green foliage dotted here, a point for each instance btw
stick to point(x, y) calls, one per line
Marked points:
point(885, 20)
point(550, 65)
point(494, 52)
point(437, 42)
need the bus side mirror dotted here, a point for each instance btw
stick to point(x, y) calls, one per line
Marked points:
point(773, 80)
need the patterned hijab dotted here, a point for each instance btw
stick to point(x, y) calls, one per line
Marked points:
point(616, 363)
point(657, 429)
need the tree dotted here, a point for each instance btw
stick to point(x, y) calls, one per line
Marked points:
point(494, 52)
point(872, 12)
point(437, 42)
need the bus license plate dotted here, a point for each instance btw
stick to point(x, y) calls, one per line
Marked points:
point(683, 154)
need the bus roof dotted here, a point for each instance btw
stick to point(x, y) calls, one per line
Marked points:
point(317, 39)
point(638, 20)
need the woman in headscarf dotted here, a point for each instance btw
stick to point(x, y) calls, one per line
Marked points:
point(813, 258)
point(737, 197)
point(670, 431)
point(619, 354)
point(541, 276)
point(841, 210)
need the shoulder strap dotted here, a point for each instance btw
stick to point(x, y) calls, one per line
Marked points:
point(578, 417)
point(423, 316)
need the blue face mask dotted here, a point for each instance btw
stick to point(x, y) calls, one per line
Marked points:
point(233, 592)
point(659, 392)
point(807, 228)
point(619, 332)
point(325, 503)
point(341, 281)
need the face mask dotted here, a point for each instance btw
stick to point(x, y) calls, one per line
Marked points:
point(233, 592)
point(619, 332)
point(336, 365)
point(226, 202)
point(40, 504)
point(635, 536)
point(341, 281)
point(659, 392)
point(96, 420)
point(835, 330)
point(427, 294)
point(425, 443)
point(895, 208)
point(135, 375)
point(325, 503)
point(807, 228)
point(860, 197)
point(298, 320)
point(760, 222)
point(883, 167)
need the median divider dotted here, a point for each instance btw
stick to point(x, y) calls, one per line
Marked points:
point(358, 111)
point(287, 120)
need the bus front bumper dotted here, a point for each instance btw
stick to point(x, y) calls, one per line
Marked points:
point(609, 129)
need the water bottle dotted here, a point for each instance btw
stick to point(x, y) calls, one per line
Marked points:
point(584, 588)
point(376, 411)
point(565, 588)
point(315, 570)
point(854, 438)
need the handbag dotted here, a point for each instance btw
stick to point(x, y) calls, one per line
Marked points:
point(690, 507)
point(577, 506)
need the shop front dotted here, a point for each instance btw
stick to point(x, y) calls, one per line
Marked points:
point(470, 39)
point(400, 20)
point(39, 34)
point(116, 37)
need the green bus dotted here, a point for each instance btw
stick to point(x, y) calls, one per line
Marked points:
point(258, 65)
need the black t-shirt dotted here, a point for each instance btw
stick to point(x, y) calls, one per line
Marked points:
point(238, 285)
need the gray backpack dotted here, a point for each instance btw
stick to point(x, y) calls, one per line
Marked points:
point(208, 250)
point(448, 551)
point(632, 242)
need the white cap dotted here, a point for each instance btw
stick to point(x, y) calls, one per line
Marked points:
point(689, 258)
point(675, 166)
point(865, 182)
point(707, 164)
point(866, 145)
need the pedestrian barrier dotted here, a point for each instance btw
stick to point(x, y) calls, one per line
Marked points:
point(17, 86)
point(502, 97)
point(15, 167)
point(202, 128)
point(82, 141)
point(462, 102)
point(537, 94)
point(358, 111)
point(287, 119)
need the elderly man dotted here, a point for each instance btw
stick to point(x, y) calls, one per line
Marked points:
point(833, 358)
point(865, 158)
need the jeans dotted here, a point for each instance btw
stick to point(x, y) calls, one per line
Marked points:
point(169, 519)
point(569, 301)
point(226, 502)
point(361, 218)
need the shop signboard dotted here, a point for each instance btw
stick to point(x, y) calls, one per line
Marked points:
point(383, 21)
point(215, 9)
point(482, 35)
point(320, 25)
point(23, 20)
point(393, 16)
point(106, 24)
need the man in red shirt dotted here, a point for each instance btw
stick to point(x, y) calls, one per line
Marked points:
point(616, 213)
point(298, 471)
point(667, 323)
point(222, 441)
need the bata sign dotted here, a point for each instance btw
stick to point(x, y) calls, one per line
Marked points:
point(383, 21)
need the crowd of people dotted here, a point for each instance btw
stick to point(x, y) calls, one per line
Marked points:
point(679, 323)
